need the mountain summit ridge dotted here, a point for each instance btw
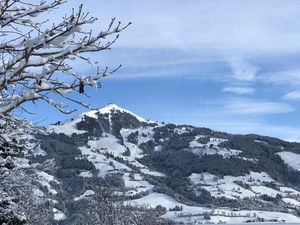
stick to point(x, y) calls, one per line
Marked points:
point(109, 108)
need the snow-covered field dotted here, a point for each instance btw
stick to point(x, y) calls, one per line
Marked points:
point(154, 199)
point(217, 151)
point(229, 187)
point(291, 159)
point(136, 184)
point(86, 194)
point(67, 128)
point(219, 215)
point(213, 142)
point(212, 148)
point(45, 179)
point(58, 215)
point(144, 134)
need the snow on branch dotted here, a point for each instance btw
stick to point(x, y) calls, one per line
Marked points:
point(35, 56)
point(36, 61)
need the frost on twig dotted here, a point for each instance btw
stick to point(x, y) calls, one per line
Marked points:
point(36, 64)
point(36, 55)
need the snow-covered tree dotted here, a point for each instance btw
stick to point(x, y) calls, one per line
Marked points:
point(37, 58)
point(109, 209)
point(36, 55)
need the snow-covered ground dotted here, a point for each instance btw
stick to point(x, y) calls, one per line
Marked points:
point(196, 214)
point(291, 159)
point(101, 162)
point(109, 108)
point(67, 128)
point(96, 152)
point(152, 173)
point(39, 151)
point(211, 147)
point(212, 142)
point(136, 184)
point(226, 153)
point(58, 215)
point(86, 174)
point(291, 201)
point(86, 194)
point(263, 190)
point(145, 134)
point(218, 216)
point(261, 142)
point(154, 199)
point(290, 191)
point(106, 144)
point(229, 187)
point(45, 179)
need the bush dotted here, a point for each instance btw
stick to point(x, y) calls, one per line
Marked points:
point(176, 208)
point(133, 138)
point(147, 147)
point(81, 164)
point(127, 152)
point(115, 180)
point(91, 125)
point(203, 140)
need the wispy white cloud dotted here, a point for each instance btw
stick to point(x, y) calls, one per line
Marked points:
point(252, 26)
point(255, 107)
point(235, 29)
point(294, 95)
point(283, 77)
point(239, 90)
point(288, 133)
point(242, 70)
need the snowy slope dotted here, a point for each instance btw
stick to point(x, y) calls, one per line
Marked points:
point(291, 159)
point(120, 152)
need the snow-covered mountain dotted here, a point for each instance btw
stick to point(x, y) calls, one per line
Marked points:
point(197, 174)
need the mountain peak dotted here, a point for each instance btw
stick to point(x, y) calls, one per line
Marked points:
point(110, 108)
point(70, 126)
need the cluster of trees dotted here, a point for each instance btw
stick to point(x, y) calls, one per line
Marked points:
point(265, 153)
point(107, 209)
point(101, 208)
point(147, 147)
point(91, 125)
point(133, 137)
point(121, 120)
point(178, 164)
point(170, 138)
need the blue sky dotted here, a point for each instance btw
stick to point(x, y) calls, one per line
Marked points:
point(228, 65)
